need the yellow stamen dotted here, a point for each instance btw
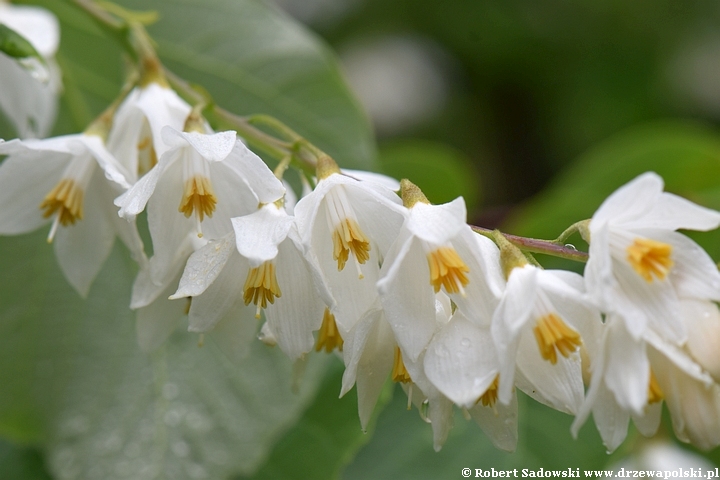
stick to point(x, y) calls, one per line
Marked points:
point(348, 237)
point(399, 372)
point(655, 393)
point(329, 336)
point(649, 257)
point(490, 396)
point(447, 269)
point(261, 286)
point(66, 198)
point(198, 197)
point(552, 334)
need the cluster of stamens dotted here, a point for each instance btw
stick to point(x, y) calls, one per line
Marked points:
point(650, 258)
point(447, 270)
point(261, 286)
point(553, 335)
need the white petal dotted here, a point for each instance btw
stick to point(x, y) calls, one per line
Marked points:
point(299, 311)
point(408, 299)
point(649, 422)
point(558, 386)
point(437, 224)
point(25, 179)
point(162, 107)
point(671, 212)
point(627, 372)
point(222, 296)
point(373, 369)
point(112, 169)
point(499, 422)
point(82, 248)
point(255, 173)
point(212, 147)
point(372, 177)
point(694, 273)
point(630, 202)
point(258, 235)
point(461, 361)
point(703, 325)
point(440, 414)
point(204, 266)
point(136, 198)
point(611, 420)
point(168, 227)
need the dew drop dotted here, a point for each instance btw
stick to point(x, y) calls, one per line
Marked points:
point(465, 342)
point(570, 246)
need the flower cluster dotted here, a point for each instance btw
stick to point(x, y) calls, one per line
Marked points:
point(396, 286)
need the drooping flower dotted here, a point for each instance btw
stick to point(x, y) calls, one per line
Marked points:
point(136, 138)
point(260, 265)
point(436, 250)
point(69, 181)
point(202, 181)
point(538, 328)
point(639, 266)
point(348, 224)
point(28, 94)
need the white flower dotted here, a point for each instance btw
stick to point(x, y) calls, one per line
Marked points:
point(639, 266)
point(436, 250)
point(136, 137)
point(260, 263)
point(631, 377)
point(69, 181)
point(28, 95)
point(538, 328)
point(201, 182)
point(349, 224)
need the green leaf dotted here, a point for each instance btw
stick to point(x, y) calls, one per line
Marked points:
point(15, 45)
point(685, 154)
point(250, 57)
point(21, 463)
point(325, 438)
point(74, 378)
point(402, 446)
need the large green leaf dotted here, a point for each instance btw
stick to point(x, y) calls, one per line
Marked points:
point(74, 378)
point(325, 439)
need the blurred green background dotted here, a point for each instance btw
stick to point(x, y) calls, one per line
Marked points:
point(533, 111)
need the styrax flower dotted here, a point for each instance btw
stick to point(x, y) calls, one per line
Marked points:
point(436, 250)
point(348, 224)
point(639, 266)
point(260, 265)
point(136, 137)
point(202, 181)
point(69, 181)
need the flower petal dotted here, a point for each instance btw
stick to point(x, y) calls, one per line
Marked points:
point(204, 266)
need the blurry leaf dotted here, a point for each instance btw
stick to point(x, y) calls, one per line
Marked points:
point(21, 463)
point(686, 155)
point(325, 438)
point(402, 446)
point(442, 172)
point(248, 55)
point(74, 378)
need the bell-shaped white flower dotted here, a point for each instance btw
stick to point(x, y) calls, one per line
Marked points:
point(538, 328)
point(260, 265)
point(136, 137)
point(436, 250)
point(28, 94)
point(639, 266)
point(201, 182)
point(371, 353)
point(630, 378)
point(348, 224)
point(69, 181)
